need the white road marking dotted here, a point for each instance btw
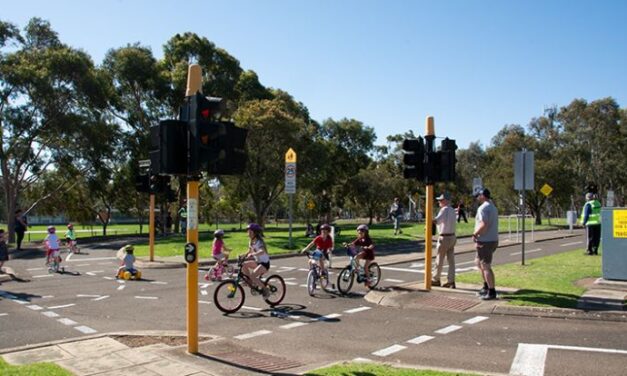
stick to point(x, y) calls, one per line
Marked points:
point(393, 280)
point(93, 259)
point(68, 322)
point(291, 283)
point(251, 308)
point(204, 302)
point(35, 269)
point(448, 329)
point(252, 334)
point(101, 298)
point(293, 325)
point(42, 276)
point(121, 287)
point(530, 251)
point(289, 279)
point(109, 278)
point(417, 265)
point(420, 339)
point(104, 263)
point(90, 273)
point(401, 269)
point(389, 350)
point(203, 292)
point(529, 360)
point(461, 270)
point(62, 306)
point(121, 281)
point(82, 265)
point(85, 329)
point(47, 296)
point(204, 285)
point(20, 301)
point(146, 297)
point(475, 320)
point(286, 268)
point(158, 283)
point(362, 360)
point(50, 314)
point(463, 263)
point(87, 296)
point(327, 317)
point(303, 269)
point(69, 256)
point(4, 314)
point(303, 285)
point(567, 244)
point(359, 309)
point(35, 307)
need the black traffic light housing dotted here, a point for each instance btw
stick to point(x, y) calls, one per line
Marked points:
point(159, 184)
point(168, 153)
point(413, 158)
point(142, 183)
point(445, 161)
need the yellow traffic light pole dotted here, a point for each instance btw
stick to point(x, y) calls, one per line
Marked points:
point(194, 85)
point(429, 136)
point(151, 227)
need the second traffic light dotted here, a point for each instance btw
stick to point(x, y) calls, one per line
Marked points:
point(413, 158)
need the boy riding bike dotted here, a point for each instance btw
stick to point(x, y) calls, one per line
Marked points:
point(324, 245)
point(70, 239)
point(367, 249)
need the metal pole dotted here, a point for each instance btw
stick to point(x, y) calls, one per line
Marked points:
point(524, 209)
point(429, 137)
point(151, 227)
point(290, 217)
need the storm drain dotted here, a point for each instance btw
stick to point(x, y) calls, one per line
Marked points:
point(257, 361)
point(449, 303)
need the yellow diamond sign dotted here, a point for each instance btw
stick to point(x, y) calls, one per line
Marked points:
point(290, 156)
point(546, 189)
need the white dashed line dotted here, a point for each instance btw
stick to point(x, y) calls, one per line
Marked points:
point(93, 259)
point(50, 314)
point(47, 296)
point(286, 268)
point(475, 320)
point(291, 283)
point(393, 280)
point(362, 360)
point(530, 251)
point(120, 281)
point(158, 283)
point(42, 276)
point(389, 350)
point(62, 306)
point(293, 325)
point(69, 256)
point(121, 287)
point(420, 339)
point(31, 269)
point(68, 322)
point(35, 307)
point(203, 292)
point(19, 301)
point(101, 298)
point(204, 302)
point(109, 278)
point(355, 310)
point(146, 297)
point(251, 308)
point(327, 317)
point(567, 244)
point(85, 329)
point(87, 296)
point(204, 285)
point(4, 314)
point(448, 329)
point(303, 269)
point(303, 285)
point(401, 269)
point(417, 265)
point(253, 334)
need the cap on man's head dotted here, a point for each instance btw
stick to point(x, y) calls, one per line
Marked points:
point(444, 196)
point(589, 196)
point(483, 191)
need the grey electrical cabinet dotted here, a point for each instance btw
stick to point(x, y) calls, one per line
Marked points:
point(614, 243)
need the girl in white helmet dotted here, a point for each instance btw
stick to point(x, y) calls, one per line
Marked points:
point(367, 249)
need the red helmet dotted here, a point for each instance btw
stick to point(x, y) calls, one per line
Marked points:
point(69, 225)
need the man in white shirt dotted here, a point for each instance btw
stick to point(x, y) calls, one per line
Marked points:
point(486, 237)
point(446, 221)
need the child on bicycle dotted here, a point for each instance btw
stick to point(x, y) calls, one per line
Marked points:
point(220, 251)
point(367, 249)
point(52, 246)
point(260, 264)
point(70, 238)
point(324, 245)
point(128, 261)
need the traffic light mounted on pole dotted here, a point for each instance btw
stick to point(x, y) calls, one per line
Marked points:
point(424, 163)
point(413, 158)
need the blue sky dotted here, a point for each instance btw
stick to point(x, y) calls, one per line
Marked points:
point(473, 65)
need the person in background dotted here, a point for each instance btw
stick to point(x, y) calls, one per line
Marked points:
point(486, 237)
point(445, 222)
point(20, 226)
point(591, 219)
point(461, 212)
point(4, 250)
point(396, 214)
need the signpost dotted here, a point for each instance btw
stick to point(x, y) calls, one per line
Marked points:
point(290, 184)
point(523, 181)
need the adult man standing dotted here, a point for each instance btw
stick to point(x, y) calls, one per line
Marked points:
point(591, 218)
point(396, 213)
point(20, 226)
point(445, 221)
point(486, 237)
point(183, 219)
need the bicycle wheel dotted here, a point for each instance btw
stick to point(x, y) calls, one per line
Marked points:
point(229, 296)
point(276, 284)
point(345, 280)
point(324, 280)
point(311, 282)
point(375, 275)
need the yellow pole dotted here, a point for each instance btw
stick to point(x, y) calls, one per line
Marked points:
point(194, 84)
point(429, 131)
point(151, 227)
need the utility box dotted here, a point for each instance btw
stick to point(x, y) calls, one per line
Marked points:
point(614, 243)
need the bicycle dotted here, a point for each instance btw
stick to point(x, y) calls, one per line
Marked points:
point(229, 296)
point(315, 275)
point(54, 262)
point(72, 246)
point(222, 267)
point(347, 276)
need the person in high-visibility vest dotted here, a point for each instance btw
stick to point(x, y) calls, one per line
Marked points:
point(591, 218)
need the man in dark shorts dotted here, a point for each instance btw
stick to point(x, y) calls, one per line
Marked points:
point(486, 237)
point(20, 226)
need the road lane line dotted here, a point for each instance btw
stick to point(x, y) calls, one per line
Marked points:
point(121, 287)
point(204, 302)
point(20, 301)
point(359, 309)
point(203, 292)
point(204, 285)
point(100, 298)
point(146, 297)
point(159, 283)
point(47, 296)
point(121, 281)
point(393, 280)
point(303, 269)
point(475, 320)
point(82, 259)
point(327, 317)
point(420, 339)
point(69, 256)
point(251, 308)
point(448, 329)
point(567, 244)
point(31, 269)
point(82, 265)
point(68, 322)
point(289, 279)
point(417, 265)
point(529, 360)
point(303, 285)
point(401, 269)
point(109, 278)
point(62, 306)
point(291, 283)
point(85, 329)
point(389, 350)
point(293, 325)
point(42, 276)
point(87, 296)
point(252, 334)
point(35, 307)
point(50, 314)
point(4, 314)
point(362, 360)
point(531, 251)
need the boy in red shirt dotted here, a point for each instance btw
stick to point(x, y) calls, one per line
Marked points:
point(324, 245)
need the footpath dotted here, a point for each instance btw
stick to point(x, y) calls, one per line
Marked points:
point(164, 352)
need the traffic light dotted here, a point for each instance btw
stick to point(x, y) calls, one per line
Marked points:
point(445, 161)
point(413, 158)
point(214, 146)
point(168, 153)
point(159, 184)
point(142, 183)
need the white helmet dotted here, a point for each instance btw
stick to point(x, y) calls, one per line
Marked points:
point(218, 233)
point(362, 228)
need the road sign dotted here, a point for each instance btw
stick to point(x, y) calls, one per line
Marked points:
point(290, 156)
point(192, 214)
point(311, 205)
point(546, 190)
point(477, 186)
point(609, 201)
point(523, 170)
point(290, 177)
point(190, 252)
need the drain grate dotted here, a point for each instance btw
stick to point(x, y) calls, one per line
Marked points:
point(258, 361)
point(443, 302)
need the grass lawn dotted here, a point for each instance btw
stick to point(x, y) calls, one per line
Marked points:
point(359, 369)
point(36, 369)
point(547, 281)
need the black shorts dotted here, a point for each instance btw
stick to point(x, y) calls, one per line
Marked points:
point(265, 265)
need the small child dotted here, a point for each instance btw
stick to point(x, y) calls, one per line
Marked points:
point(324, 245)
point(220, 253)
point(70, 239)
point(367, 249)
point(127, 261)
point(52, 246)
point(4, 250)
